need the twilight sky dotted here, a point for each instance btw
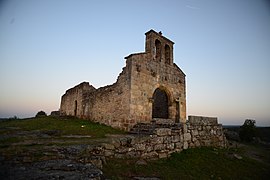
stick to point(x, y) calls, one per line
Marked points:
point(223, 46)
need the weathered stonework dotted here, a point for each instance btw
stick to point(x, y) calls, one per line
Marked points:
point(150, 86)
point(163, 141)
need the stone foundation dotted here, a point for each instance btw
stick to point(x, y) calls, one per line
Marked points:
point(162, 139)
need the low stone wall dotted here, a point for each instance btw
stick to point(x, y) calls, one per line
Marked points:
point(164, 141)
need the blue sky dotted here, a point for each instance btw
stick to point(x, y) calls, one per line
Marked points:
point(223, 46)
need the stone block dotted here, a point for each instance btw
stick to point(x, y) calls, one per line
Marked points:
point(133, 154)
point(139, 147)
point(185, 128)
point(181, 138)
point(194, 139)
point(163, 121)
point(197, 143)
point(202, 133)
point(150, 155)
point(97, 150)
point(170, 146)
point(191, 145)
point(175, 138)
point(159, 147)
point(122, 150)
point(108, 146)
point(185, 145)
point(213, 132)
point(195, 132)
point(157, 140)
point(116, 143)
point(163, 131)
point(178, 145)
point(221, 138)
point(187, 137)
point(125, 141)
point(149, 148)
point(97, 162)
point(162, 155)
point(167, 139)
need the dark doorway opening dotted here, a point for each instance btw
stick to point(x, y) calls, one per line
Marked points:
point(160, 104)
point(75, 109)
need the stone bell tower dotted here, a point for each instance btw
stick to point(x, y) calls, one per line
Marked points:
point(159, 47)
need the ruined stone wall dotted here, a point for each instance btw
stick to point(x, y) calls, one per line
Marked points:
point(165, 141)
point(108, 105)
point(73, 101)
point(111, 105)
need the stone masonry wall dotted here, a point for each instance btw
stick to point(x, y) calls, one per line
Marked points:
point(73, 100)
point(164, 141)
point(148, 75)
point(107, 105)
point(111, 105)
point(154, 69)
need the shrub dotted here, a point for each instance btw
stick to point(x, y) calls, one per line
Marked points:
point(14, 117)
point(248, 130)
point(41, 114)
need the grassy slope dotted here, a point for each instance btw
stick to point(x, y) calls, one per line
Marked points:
point(66, 126)
point(32, 137)
point(199, 163)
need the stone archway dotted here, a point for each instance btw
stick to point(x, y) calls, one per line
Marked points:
point(160, 106)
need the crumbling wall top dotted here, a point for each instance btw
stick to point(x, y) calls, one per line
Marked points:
point(85, 86)
point(200, 120)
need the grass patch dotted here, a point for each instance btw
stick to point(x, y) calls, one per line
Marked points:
point(26, 138)
point(199, 163)
point(66, 126)
point(6, 142)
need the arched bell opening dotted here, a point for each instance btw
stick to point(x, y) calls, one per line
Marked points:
point(158, 50)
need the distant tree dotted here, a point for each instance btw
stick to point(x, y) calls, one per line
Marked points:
point(248, 130)
point(41, 114)
point(14, 117)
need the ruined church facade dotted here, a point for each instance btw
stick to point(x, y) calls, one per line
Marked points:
point(150, 86)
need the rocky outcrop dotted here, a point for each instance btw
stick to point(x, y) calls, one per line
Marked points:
point(51, 169)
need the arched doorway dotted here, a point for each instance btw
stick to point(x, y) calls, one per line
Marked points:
point(160, 104)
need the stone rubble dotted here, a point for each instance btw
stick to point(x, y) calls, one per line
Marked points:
point(51, 169)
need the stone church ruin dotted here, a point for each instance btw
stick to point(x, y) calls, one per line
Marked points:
point(150, 86)
point(148, 98)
